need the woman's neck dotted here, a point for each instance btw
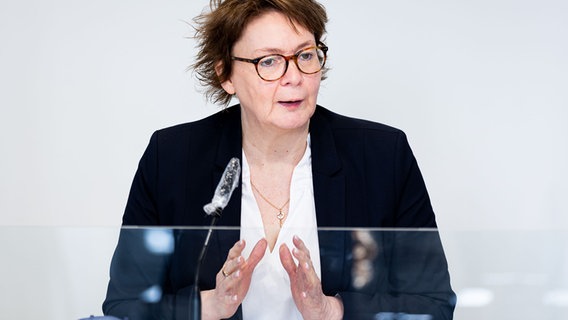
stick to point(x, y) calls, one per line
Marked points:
point(274, 147)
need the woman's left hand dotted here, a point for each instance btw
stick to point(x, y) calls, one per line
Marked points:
point(306, 286)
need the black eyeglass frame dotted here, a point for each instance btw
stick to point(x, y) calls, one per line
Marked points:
point(293, 57)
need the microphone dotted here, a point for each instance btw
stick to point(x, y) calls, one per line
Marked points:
point(227, 184)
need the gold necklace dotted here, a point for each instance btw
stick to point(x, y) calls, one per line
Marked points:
point(280, 214)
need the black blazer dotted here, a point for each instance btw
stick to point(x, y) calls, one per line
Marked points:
point(364, 175)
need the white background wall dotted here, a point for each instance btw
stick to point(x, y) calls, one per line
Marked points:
point(480, 87)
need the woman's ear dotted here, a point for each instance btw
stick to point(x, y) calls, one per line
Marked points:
point(227, 84)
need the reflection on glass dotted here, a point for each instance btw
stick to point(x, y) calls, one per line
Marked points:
point(377, 274)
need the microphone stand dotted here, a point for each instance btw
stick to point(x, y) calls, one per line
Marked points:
point(195, 297)
point(223, 192)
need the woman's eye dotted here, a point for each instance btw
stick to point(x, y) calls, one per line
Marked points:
point(268, 62)
point(306, 56)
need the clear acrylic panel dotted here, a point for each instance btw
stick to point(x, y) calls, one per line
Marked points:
point(63, 272)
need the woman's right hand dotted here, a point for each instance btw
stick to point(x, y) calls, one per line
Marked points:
point(232, 282)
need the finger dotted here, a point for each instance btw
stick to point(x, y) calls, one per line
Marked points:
point(257, 253)
point(287, 260)
point(301, 245)
point(302, 253)
point(234, 259)
point(232, 266)
point(236, 250)
point(298, 279)
point(304, 261)
point(308, 285)
point(306, 271)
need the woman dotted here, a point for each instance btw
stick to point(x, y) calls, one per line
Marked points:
point(303, 167)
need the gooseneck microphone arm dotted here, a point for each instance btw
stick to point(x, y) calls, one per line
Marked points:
point(227, 184)
point(195, 297)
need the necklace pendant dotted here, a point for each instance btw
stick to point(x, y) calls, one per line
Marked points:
point(280, 217)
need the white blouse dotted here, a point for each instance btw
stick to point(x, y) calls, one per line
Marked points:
point(269, 295)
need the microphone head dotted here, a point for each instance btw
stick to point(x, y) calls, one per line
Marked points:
point(227, 184)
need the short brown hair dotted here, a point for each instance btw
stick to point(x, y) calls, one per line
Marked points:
point(218, 30)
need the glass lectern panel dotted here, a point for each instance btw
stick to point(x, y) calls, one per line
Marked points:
point(148, 273)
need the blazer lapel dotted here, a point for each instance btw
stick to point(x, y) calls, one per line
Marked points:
point(329, 182)
point(329, 196)
point(230, 146)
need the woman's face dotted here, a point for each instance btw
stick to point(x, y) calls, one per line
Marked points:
point(284, 104)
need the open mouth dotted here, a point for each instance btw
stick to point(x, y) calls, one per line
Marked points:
point(290, 103)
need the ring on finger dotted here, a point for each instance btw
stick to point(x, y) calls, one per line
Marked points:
point(225, 274)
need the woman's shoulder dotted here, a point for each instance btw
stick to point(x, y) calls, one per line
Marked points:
point(208, 127)
point(224, 117)
point(337, 121)
point(193, 141)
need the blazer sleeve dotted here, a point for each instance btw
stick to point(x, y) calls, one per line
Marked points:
point(141, 207)
point(413, 208)
point(138, 273)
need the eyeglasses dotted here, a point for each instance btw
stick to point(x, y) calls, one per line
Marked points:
point(274, 66)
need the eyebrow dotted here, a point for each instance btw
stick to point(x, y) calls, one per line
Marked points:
point(279, 51)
